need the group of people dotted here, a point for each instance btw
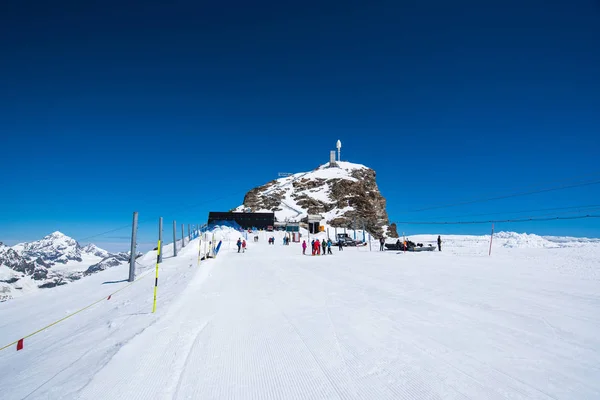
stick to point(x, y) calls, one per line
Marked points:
point(407, 243)
point(241, 245)
point(317, 245)
point(286, 240)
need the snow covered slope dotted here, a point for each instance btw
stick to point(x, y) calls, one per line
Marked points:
point(506, 239)
point(273, 324)
point(338, 192)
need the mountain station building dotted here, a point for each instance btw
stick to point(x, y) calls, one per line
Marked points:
point(247, 220)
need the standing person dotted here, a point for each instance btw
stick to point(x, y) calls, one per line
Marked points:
point(439, 243)
point(243, 246)
point(381, 243)
point(329, 246)
point(324, 246)
point(312, 244)
point(340, 245)
point(239, 244)
point(304, 248)
point(318, 247)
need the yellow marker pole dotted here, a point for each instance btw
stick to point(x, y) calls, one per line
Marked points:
point(156, 279)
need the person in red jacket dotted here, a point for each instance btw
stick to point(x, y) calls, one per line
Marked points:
point(318, 247)
point(304, 247)
point(243, 246)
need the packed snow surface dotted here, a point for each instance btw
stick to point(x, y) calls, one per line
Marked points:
point(271, 323)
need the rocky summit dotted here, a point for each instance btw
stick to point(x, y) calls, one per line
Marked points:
point(343, 193)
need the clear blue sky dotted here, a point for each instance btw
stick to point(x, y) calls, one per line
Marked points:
point(111, 107)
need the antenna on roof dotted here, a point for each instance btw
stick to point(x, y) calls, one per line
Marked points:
point(339, 149)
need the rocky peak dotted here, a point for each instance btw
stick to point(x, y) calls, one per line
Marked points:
point(54, 248)
point(342, 194)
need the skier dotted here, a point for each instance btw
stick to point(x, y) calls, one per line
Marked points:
point(239, 244)
point(304, 248)
point(340, 245)
point(329, 246)
point(243, 246)
point(324, 246)
point(313, 246)
point(439, 243)
point(381, 243)
point(318, 247)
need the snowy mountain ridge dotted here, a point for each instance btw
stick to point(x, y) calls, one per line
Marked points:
point(54, 260)
point(341, 193)
point(511, 240)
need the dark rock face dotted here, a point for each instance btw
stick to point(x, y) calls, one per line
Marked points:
point(255, 200)
point(40, 273)
point(53, 283)
point(362, 195)
point(393, 230)
point(16, 262)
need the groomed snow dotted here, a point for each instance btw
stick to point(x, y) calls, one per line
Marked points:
point(273, 324)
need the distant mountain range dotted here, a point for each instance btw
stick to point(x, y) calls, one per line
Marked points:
point(52, 261)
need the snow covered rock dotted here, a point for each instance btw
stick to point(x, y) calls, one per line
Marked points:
point(95, 250)
point(111, 261)
point(340, 193)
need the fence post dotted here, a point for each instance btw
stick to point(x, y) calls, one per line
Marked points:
point(133, 247)
point(491, 238)
point(174, 239)
point(182, 237)
point(363, 231)
point(189, 232)
point(156, 277)
point(160, 231)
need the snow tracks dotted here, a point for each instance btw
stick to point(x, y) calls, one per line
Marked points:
point(273, 324)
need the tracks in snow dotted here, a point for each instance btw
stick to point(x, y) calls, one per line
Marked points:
point(272, 324)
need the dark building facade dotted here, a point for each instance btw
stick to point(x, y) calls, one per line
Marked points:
point(245, 220)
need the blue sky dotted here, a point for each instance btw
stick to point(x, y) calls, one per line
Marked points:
point(179, 108)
